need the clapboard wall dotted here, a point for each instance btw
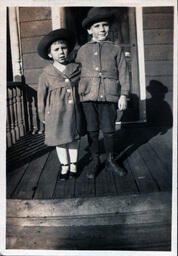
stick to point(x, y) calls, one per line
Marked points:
point(158, 44)
point(35, 22)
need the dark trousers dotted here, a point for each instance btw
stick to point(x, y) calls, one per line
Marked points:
point(100, 115)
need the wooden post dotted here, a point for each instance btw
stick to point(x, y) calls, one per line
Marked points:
point(58, 17)
point(15, 47)
point(141, 62)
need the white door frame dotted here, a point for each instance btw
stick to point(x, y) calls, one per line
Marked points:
point(141, 63)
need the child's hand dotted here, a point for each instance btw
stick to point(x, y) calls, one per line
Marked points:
point(122, 103)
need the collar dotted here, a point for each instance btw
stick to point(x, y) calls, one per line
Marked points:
point(100, 42)
point(70, 69)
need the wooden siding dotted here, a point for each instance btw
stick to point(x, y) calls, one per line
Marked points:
point(158, 10)
point(35, 22)
point(158, 43)
point(34, 13)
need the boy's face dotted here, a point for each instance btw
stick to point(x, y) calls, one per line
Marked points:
point(59, 52)
point(99, 31)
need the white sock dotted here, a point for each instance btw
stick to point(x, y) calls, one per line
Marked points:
point(73, 154)
point(62, 153)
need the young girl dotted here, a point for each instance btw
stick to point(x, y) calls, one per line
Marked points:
point(57, 98)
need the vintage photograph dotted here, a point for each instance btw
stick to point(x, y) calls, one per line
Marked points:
point(89, 128)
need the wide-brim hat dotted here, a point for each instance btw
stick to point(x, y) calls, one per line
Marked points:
point(96, 14)
point(55, 35)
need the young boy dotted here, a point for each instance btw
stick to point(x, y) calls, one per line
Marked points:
point(103, 87)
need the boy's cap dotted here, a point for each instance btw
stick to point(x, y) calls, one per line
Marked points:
point(55, 35)
point(96, 14)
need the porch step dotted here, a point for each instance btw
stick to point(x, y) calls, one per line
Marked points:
point(134, 221)
point(130, 209)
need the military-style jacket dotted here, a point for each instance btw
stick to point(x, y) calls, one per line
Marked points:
point(104, 75)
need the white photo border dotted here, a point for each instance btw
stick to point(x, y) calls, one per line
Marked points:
point(64, 3)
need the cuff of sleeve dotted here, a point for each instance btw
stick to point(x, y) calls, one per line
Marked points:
point(125, 92)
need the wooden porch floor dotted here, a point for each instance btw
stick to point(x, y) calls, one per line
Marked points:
point(146, 152)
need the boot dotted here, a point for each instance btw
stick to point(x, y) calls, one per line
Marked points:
point(93, 167)
point(112, 165)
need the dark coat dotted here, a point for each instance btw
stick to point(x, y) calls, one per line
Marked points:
point(56, 103)
point(104, 71)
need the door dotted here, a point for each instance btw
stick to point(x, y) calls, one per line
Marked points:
point(123, 33)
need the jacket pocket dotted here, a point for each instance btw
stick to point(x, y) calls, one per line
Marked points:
point(84, 87)
point(111, 87)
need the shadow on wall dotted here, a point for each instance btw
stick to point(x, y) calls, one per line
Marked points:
point(159, 121)
point(158, 110)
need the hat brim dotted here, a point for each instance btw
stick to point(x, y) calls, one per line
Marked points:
point(89, 21)
point(55, 35)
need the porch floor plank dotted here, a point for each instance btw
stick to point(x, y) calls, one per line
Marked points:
point(83, 186)
point(33, 172)
point(105, 184)
point(126, 184)
point(163, 151)
point(64, 189)
point(29, 181)
point(24, 150)
point(13, 179)
point(157, 167)
point(142, 176)
point(47, 180)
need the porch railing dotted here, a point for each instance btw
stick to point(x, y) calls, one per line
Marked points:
point(22, 116)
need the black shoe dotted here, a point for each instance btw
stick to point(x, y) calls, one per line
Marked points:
point(65, 175)
point(72, 175)
point(112, 165)
point(93, 167)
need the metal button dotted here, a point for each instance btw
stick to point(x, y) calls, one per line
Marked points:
point(66, 80)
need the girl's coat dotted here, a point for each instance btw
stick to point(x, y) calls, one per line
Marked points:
point(56, 103)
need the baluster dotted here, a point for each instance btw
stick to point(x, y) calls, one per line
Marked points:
point(8, 132)
point(24, 109)
point(41, 127)
point(11, 112)
point(34, 113)
point(27, 99)
point(19, 111)
point(14, 100)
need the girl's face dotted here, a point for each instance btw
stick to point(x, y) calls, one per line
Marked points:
point(99, 31)
point(59, 52)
